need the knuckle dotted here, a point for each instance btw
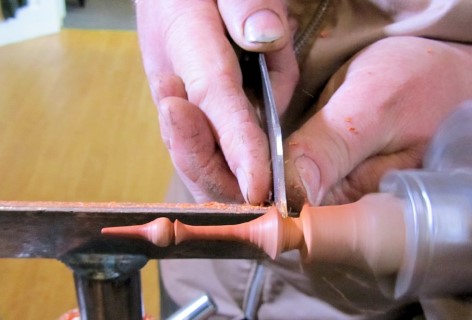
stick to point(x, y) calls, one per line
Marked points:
point(208, 86)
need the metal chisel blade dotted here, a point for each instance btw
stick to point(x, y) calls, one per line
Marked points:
point(275, 139)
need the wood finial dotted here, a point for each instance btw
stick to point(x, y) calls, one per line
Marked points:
point(369, 233)
point(270, 232)
point(160, 232)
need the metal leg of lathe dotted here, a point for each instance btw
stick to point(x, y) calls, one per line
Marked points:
point(108, 286)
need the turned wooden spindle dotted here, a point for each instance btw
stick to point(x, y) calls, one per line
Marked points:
point(368, 233)
point(270, 232)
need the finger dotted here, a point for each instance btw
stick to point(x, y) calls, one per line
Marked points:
point(284, 75)
point(194, 152)
point(151, 37)
point(372, 122)
point(259, 25)
point(346, 131)
point(365, 178)
point(193, 35)
point(188, 39)
point(166, 85)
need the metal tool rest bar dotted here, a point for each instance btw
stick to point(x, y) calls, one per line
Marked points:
point(107, 269)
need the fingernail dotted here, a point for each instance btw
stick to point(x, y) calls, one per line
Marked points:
point(242, 181)
point(310, 176)
point(263, 26)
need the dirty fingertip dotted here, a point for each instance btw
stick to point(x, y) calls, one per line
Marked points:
point(263, 26)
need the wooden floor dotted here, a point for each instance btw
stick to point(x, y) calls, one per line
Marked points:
point(76, 124)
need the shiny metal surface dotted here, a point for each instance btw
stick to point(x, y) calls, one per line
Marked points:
point(200, 309)
point(108, 299)
point(107, 286)
point(55, 229)
point(275, 139)
point(104, 266)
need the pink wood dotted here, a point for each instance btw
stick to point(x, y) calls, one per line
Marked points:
point(368, 233)
point(270, 232)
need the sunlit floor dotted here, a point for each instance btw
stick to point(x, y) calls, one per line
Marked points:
point(77, 123)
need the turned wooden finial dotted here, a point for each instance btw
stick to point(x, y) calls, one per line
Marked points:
point(270, 232)
point(368, 232)
point(160, 232)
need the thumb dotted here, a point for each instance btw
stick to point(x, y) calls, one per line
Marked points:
point(258, 25)
point(316, 158)
point(330, 145)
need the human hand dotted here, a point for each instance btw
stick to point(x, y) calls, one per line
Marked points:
point(207, 122)
point(380, 110)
